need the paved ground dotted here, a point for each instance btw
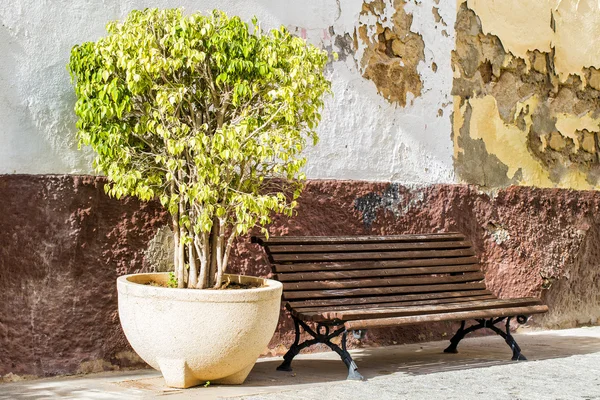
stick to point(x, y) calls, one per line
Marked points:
point(562, 365)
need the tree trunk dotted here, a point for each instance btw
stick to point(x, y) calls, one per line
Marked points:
point(181, 249)
point(220, 254)
point(219, 276)
point(228, 250)
point(181, 266)
point(176, 241)
point(202, 249)
point(193, 274)
point(214, 236)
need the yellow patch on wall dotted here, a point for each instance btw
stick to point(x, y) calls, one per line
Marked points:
point(457, 123)
point(508, 143)
point(521, 25)
point(577, 33)
point(570, 125)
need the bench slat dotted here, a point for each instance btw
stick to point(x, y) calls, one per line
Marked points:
point(275, 240)
point(384, 255)
point(394, 304)
point(316, 294)
point(349, 247)
point(350, 301)
point(375, 311)
point(339, 266)
point(401, 311)
point(335, 275)
point(381, 282)
point(451, 316)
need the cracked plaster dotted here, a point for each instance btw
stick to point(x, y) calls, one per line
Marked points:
point(514, 104)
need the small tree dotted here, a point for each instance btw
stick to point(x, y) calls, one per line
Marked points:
point(205, 113)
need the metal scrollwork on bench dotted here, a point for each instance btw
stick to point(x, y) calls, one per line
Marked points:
point(325, 338)
point(490, 324)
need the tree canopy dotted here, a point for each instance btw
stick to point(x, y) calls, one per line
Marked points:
point(206, 113)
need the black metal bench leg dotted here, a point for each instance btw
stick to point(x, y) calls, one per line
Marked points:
point(510, 341)
point(490, 324)
point(460, 335)
point(295, 349)
point(286, 365)
point(320, 337)
point(353, 374)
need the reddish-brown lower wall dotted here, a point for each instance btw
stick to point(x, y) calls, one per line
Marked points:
point(63, 243)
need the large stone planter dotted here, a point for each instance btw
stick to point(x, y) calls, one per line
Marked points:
point(194, 336)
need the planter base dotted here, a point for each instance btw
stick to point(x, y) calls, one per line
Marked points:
point(235, 379)
point(177, 374)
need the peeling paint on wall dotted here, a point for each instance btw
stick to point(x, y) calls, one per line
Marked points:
point(437, 16)
point(521, 25)
point(517, 119)
point(365, 136)
point(564, 27)
point(392, 51)
point(474, 163)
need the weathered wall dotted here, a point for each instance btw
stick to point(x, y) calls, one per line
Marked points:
point(526, 93)
point(363, 136)
point(519, 76)
point(63, 243)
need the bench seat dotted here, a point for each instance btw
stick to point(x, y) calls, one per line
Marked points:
point(393, 315)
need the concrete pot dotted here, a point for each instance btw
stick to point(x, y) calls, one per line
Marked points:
point(194, 336)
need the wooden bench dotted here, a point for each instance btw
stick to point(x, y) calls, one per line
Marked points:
point(352, 283)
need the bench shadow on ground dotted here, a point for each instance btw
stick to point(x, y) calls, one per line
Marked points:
point(425, 358)
point(310, 369)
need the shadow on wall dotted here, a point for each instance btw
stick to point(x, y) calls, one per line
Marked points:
point(575, 298)
point(20, 112)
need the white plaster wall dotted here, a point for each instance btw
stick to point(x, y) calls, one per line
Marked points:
point(362, 135)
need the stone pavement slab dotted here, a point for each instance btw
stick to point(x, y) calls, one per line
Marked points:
point(562, 365)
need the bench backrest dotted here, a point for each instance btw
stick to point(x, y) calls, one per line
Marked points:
point(323, 271)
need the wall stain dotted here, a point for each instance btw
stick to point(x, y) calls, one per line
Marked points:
point(371, 203)
point(391, 199)
point(344, 45)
